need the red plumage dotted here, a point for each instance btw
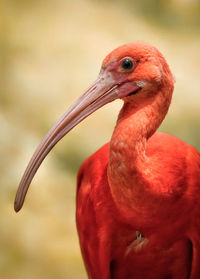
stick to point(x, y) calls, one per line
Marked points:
point(138, 208)
point(169, 243)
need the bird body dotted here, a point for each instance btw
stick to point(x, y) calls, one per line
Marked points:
point(138, 208)
point(159, 238)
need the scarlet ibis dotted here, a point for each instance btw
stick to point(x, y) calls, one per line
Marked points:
point(138, 197)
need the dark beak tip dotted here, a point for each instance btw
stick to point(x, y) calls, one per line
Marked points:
point(16, 207)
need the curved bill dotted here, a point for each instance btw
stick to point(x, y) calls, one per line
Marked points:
point(101, 92)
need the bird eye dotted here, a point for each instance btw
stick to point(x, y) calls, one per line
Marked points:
point(127, 64)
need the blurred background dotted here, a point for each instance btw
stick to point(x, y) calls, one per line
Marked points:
point(50, 52)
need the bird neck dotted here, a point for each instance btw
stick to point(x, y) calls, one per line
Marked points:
point(128, 162)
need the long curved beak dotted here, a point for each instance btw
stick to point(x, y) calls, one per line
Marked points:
point(101, 92)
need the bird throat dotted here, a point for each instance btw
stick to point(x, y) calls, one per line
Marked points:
point(128, 163)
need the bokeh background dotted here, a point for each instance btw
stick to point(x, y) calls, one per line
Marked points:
point(50, 52)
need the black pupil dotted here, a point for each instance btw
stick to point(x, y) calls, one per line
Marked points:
point(127, 64)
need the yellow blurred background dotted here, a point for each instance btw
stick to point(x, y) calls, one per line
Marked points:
point(51, 51)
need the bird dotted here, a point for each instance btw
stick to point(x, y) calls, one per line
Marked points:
point(137, 203)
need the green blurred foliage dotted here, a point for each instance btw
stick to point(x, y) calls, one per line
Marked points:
point(172, 14)
point(50, 51)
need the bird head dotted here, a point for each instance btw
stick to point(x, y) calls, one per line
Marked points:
point(137, 69)
point(133, 72)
